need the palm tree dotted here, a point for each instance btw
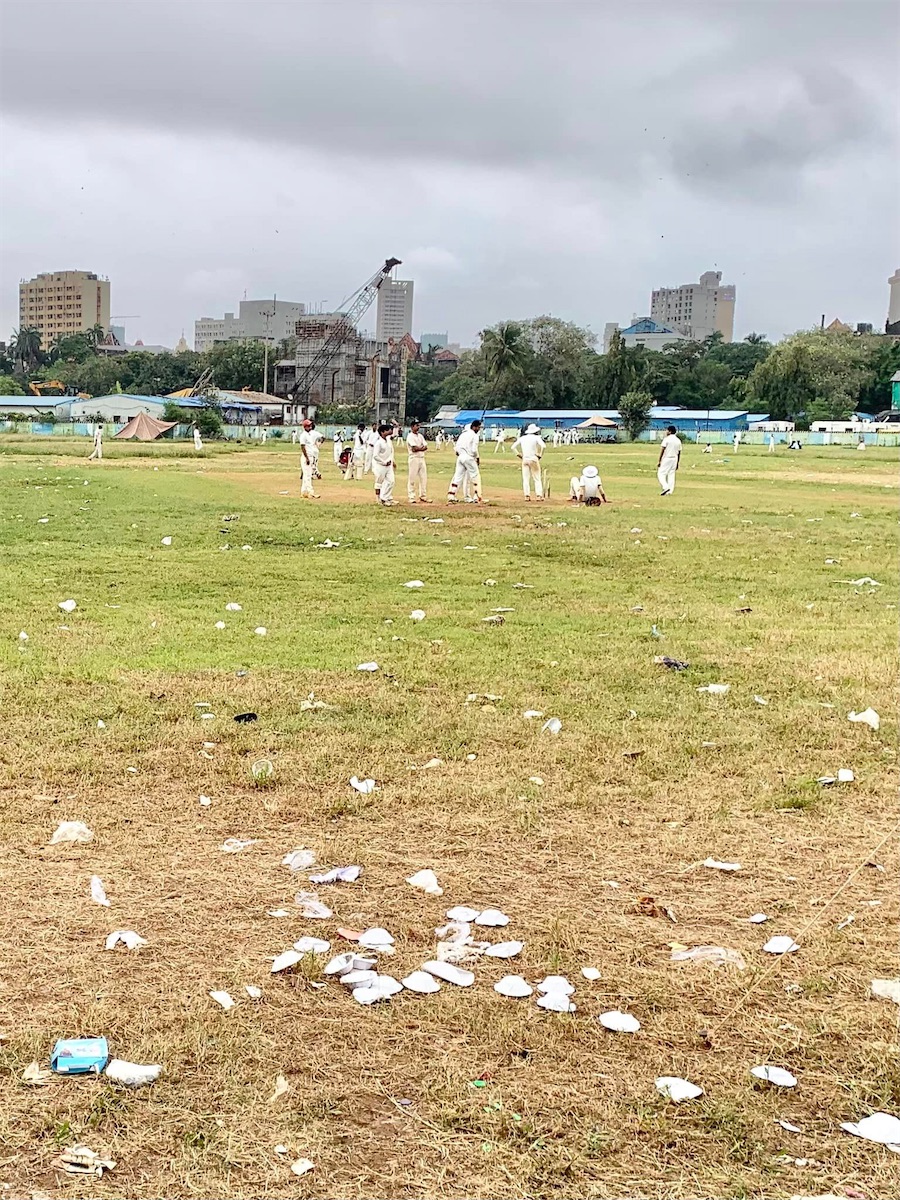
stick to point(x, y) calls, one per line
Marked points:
point(96, 334)
point(755, 339)
point(506, 352)
point(25, 346)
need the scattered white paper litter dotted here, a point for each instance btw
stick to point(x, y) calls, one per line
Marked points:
point(285, 960)
point(299, 860)
point(167, 541)
point(845, 775)
point(788, 1126)
point(71, 831)
point(449, 973)
point(364, 786)
point(760, 700)
point(554, 725)
point(235, 845)
point(432, 764)
point(886, 989)
point(23, 636)
point(414, 583)
point(504, 950)
point(312, 945)
point(758, 919)
point(864, 581)
point(462, 912)
point(555, 983)
point(98, 895)
point(880, 1127)
point(417, 614)
point(719, 956)
point(224, 999)
point(619, 1022)
point(370, 666)
point(590, 973)
point(514, 986)
point(254, 992)
point(220, 625)
point(780, 945)
point(35, 1075)
point(774, 1075)
point(382, 987)
point(676, 1089)
point(340, 964)
point(278, 912)
point(715, 865)
point(491, 917)
point(260, 631)
point(374, 939)
point(530, 713)
point(132, 1074)
point(426, 881)
point(556, 1002)
point(301, 1165)
point(422, 982)
point(312, 907)
point(868, 716)
point(338, 875)
point(232, 607)
point(716, 689)
point(130, 939)
point(359, 977)
point(262, 769)
point(67, 605)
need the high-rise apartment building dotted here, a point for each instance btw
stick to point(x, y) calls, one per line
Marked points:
point(697, 309)
point(893, 318)
point(59, 303)
point(395, 309)
point(256, 320)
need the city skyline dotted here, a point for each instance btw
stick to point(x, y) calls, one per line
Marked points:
point(507, 187)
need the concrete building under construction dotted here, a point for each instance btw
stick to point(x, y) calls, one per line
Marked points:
point(361, 372)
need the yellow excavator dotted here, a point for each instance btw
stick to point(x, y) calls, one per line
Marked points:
point(55, 388)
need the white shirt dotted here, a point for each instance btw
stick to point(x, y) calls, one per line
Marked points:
point(370, 437)
point(532, 446)
point(384, 452)
point(359, 440)
point(415, 441)
point(671, 448)
point(310, 438)
point(590, 486)
point(467, 444)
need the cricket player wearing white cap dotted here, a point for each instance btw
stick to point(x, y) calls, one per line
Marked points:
point(530, 447)
point(587, 488)
point(467, 463)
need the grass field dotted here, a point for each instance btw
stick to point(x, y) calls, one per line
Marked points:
point(647, 778)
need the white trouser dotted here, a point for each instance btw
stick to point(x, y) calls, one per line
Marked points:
point(531, 473)
point(666, 476)
point(417, 482)
point(97, 451)
point(338, 448)
point(367, 461)
point(498, 445)
point(771, 447)
point(576, 491)
point(466, 468)
point(355, 465)
point(306, 477)
point(384, 482)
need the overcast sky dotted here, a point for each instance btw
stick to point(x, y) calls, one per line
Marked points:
point(521, 156)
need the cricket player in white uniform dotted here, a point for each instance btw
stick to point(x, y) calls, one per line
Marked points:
point(669, 458)
point(383, 465)
point(309, 460)
point(467, 463)
point(338, 446)
point(358, 457)
point(500, 441)
point(530, 448)
point(587, 488)
point(97, 451)
point(371, 437)
point(198, 440)
point(417, 481)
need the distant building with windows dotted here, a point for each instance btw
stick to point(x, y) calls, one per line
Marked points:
point(433, 341)
point(257, 320)
point(395, 310)
point(697, 310)
point(61, 303)
point(641, 332)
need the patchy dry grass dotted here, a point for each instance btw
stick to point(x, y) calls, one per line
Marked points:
point(383, 1099)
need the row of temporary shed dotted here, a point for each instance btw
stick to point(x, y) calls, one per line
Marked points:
point(689, 420)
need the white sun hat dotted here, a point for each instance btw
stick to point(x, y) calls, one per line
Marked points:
point(533, 429)
point(590, 472)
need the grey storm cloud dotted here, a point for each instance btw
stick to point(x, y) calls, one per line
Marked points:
point(519, 155)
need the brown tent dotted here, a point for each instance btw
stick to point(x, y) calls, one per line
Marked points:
point(145, 428)
point(597, 422)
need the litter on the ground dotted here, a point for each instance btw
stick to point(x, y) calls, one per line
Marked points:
point(556, 1001)
point(421, 982)
point(514, 986)
point(491, 917)
point(530, 713)
point(359, 977)
point(760, 700)
point(71, 831)
point(619, 1022)
point(449, 973)
point(536, 780)
point(673, 664)
point(338, 875)
point(848, 920)
point(677, 1090)
point(254, 992)
point(128, 938)
point(285, 960)
point(82, 1160)
point(368, 666)
point(715, 865)
point(300, 1166)
point(555, 983)
point(590, 973)
point(788, 1126)
point(260, 631)
point(414, 583)
point(205, 801)
point(79, 1056)
point(98, 894)
point(133, 1075)
point(245, 718)
point(282, 1087)
point(35, 1075)
point(166, 541)
point(845, 775)
point(223, 998)
point(232, 606)
point(780, 945)
point(233, 845)
point(554, 725)
point(716, 689)
point(432, 764)
point(774, 1075)
point(758, 919)
point(382, 987)
point(719, 956)
point(417, 614)
point(363, 786)
point(375, 939)
point(312, 907)
point(299, 860)
point(504, 950)
point(67, 606)
point(462, 912)
point(426, 881)
point(880, 1127)
point(886, 989)
point(868, 716)
point(219, 625)
point(863, 581)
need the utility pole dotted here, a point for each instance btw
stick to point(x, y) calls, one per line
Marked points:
point(267, 315)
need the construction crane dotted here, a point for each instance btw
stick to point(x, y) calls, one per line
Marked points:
point(356, 306)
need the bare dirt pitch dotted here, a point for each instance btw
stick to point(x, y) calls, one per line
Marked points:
point(464, 1093)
